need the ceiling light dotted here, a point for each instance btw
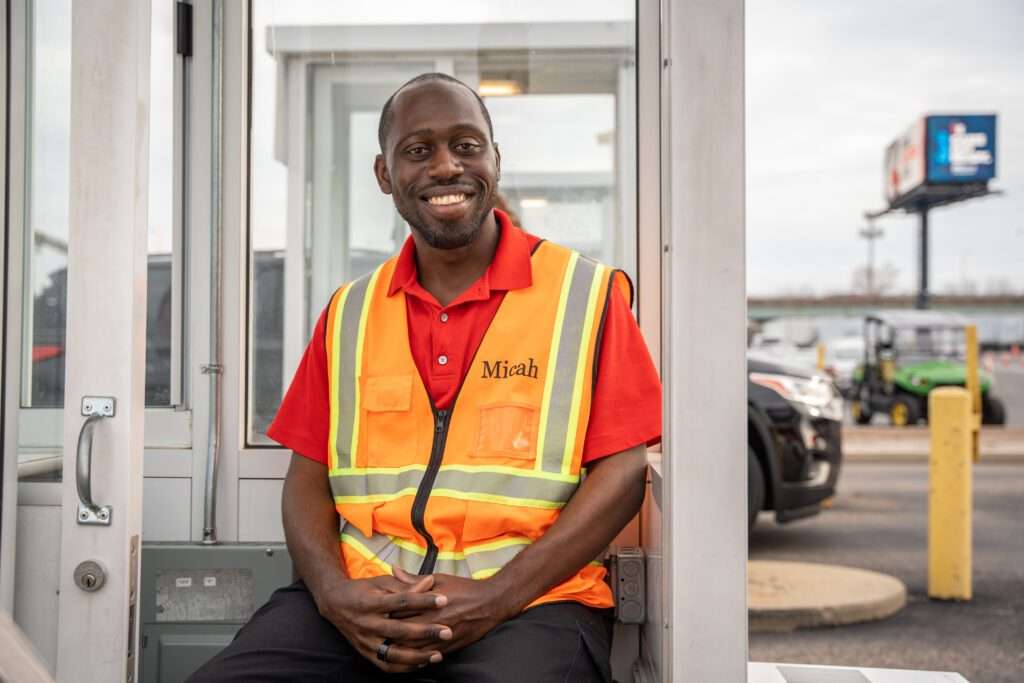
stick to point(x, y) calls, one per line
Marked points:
point(533, 202)
point(499, 88)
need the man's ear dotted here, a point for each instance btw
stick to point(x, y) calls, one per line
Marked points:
point(380, 171)
point(497, 161)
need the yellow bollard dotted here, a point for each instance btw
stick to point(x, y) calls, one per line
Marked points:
point(821, 355)
point(973, 384)
point(949, 494)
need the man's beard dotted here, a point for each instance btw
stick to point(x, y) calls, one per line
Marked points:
point(444, 234)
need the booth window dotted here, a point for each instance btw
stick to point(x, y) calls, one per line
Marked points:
point(562, 98)
point(42, 214)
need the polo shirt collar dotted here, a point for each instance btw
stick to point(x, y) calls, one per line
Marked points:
point(509, 269)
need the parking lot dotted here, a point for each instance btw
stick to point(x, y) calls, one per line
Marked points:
point(879, 521)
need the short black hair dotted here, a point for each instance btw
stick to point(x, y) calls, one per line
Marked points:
point(386, 114)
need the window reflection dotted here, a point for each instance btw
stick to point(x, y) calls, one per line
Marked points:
point(562, 98)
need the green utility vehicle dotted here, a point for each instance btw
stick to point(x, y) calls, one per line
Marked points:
point(906, 355)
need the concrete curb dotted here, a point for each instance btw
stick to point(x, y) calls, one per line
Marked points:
point(783, 596)
point(910, 444)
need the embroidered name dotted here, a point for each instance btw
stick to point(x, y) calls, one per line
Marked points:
point(502, 369)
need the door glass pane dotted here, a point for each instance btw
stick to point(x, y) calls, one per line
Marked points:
point(46, 206)
point(564, 110)
point(47, 103)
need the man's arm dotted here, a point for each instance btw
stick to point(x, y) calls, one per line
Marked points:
point(358, 608)
point(606, 500)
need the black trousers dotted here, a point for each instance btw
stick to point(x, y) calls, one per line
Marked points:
point(288, 640)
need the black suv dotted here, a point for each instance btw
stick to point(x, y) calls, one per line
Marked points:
point(794, 448)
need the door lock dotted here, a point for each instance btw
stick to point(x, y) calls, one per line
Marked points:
point(90, 576)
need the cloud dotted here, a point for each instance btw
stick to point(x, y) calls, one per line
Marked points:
point(829, 85)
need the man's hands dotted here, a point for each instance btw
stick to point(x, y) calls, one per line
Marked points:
point(473, 608)
point(360, 610)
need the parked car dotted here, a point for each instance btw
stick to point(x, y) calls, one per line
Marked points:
point(842, 358)
point(794, 445)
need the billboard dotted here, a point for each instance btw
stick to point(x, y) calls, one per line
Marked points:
point(904, 162)
point(941, 150)
point(961, 149)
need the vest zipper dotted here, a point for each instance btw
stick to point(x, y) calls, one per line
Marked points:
point(419, 504)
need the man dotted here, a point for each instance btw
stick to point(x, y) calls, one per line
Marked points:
point(442, 418)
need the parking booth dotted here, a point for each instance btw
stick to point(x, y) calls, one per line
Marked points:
point(181, 202)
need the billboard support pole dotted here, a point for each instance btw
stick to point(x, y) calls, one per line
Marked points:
point(922, 292)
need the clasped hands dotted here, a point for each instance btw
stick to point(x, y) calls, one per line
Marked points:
point(419, 617)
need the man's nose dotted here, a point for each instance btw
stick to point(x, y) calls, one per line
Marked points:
point(444, 165)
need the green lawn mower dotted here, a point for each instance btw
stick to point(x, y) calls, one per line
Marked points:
point(906, 355)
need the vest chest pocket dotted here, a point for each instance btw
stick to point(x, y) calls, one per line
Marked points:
point(391, 435)
point(508, 430)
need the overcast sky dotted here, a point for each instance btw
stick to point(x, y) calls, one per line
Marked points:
point(829, 84)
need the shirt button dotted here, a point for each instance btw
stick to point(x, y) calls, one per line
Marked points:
point(444, 317)
point(442, 360)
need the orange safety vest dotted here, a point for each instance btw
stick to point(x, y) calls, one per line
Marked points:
point(462, 491)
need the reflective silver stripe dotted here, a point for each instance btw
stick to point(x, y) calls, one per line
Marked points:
point(484, 563)
point(388, 552)
point(504, 486)
point(560, 406)
point(348, 341)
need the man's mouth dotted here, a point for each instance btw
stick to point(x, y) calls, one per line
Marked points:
point(447, 199)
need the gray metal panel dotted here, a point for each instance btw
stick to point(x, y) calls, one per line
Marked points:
point(194, 598)
point(244, 573)
point(171, 653)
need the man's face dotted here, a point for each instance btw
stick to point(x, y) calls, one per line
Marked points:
point(439, 164)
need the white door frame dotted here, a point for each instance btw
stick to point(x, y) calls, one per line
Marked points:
point(105, 341)
point(704, 529)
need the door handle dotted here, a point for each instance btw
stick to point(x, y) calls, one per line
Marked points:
point(94, 408)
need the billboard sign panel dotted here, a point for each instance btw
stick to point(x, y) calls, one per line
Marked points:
point(904, 162)
point(941, 150)
point(961, 149)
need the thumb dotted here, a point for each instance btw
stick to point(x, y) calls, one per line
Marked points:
point(418, 583)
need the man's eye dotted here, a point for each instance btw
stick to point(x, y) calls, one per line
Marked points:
point(418, 151)
point(467, 147)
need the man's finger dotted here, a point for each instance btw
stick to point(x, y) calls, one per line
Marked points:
point(410, 632)
point(401, 602)
point(405, 656)
point(419, 583)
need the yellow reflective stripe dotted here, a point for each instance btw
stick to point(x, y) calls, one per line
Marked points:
point(486, 573)
point(332, 451)
point(497, 545)
point(549, 380)
point(347, 342)
point(469, 469)
point(368, 554)
point(422, 552)
point(500, 500)
point(360, 471)
point(360, 338)
point(377, 497)
point(581, 365)
point(513, 471)
point(451, 493)
point(511, 484)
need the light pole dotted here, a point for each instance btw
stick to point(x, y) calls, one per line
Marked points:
point(871, 233)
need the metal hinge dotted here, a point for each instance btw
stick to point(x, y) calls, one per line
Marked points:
point(183, 29)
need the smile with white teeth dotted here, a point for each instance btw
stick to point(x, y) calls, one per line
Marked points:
point(447, 199)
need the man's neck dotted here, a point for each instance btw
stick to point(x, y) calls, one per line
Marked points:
point(447, 273)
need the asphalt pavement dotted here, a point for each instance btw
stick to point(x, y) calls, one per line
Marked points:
point(879, 522)
point(1010, 388)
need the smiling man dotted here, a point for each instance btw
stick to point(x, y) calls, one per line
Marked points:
point(442, 420)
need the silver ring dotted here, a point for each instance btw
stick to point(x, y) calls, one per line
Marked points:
point(382, 651)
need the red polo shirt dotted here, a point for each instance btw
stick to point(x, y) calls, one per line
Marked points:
point(626, 406)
